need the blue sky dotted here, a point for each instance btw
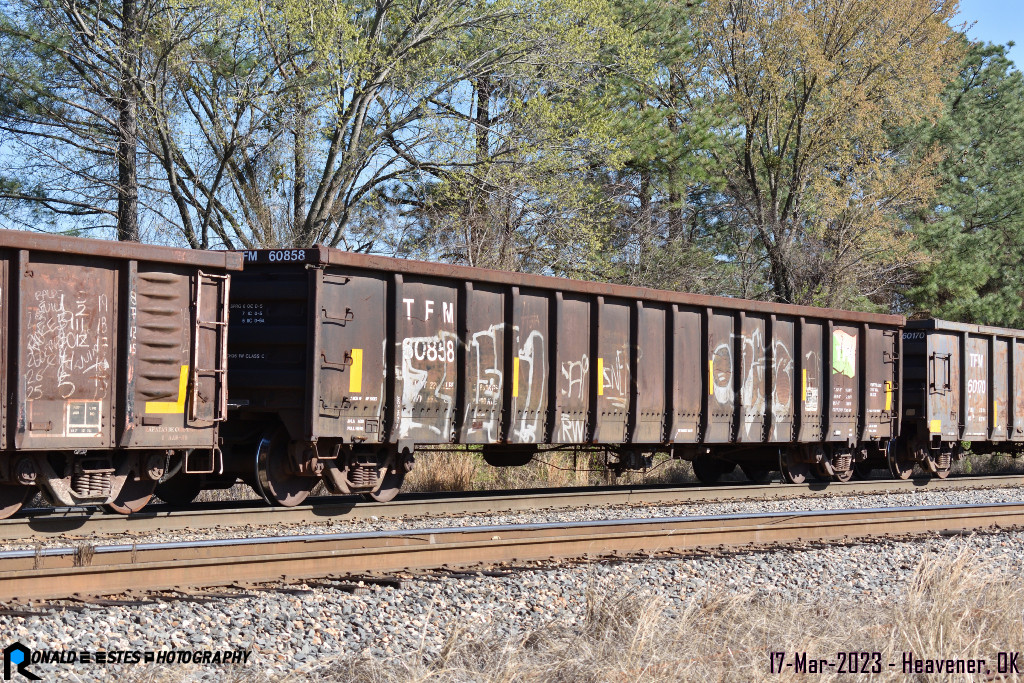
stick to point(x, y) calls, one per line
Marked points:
point(997, 21)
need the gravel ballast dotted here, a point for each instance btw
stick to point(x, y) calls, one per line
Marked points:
point(291, 631)
point(341, 524)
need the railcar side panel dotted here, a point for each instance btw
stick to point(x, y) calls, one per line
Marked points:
point(1000, 388)
point(8, 311)
point(67, 351)
point(1017, 384)
point(812, 390)
point(844, 383)
point(349, 367)
point(177, 374)
point(879, 361)
point(573, 377)
point(268, 348)
point(976, 388)
point(783, 368)
point(722, 372)
point(530, 363)
point(484, 310)
point(612, 371)
point(652, 373)
point(943, 385)
point(753, 401)
point(425, 346)
point(690, 376)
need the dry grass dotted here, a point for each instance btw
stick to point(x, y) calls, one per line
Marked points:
point(975, 464)
point(955, 607)
point(460, 470)
point(443, 471)
point(467, 471)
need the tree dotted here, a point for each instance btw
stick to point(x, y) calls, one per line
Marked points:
point(973, 230)
point(68, 80)
point(532, 134)
point(806, 91)
point(263, 124)
point(371, 101)
point(660, 234)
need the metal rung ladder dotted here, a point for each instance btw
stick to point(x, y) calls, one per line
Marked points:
point(219, 328)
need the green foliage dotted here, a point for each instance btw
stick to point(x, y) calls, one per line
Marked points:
point(804, 93)
point(531, 136)
point(728, 148)
point(973, 233)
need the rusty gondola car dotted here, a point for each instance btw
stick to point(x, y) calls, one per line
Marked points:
point(114, 367)
point(342, 364)
point(964, 384)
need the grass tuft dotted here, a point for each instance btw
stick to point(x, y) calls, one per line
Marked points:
point(954, 607)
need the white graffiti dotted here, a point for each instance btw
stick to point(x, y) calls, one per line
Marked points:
point(782, 388)
point(487, 381)
point(573, 429)
point(615, 377)
point(575, 373)
point(721, 373)
point(573, 426)
point(531, 374)
point(417, 383)
point(752, 390)
point(810, 389)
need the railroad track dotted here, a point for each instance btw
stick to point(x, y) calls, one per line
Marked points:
point(46, 522)
point(114, 569)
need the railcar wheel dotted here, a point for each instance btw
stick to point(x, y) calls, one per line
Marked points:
point(901, 465)
point(179, 490)
point(709, 470)
point(844, 476)
point(133, 496)
point(389, 487)
point(12, 497)
point(942, 465)
point(861, 470)
point(275, 481)
point(392, 481)
point(793, 471)
point(759, 474)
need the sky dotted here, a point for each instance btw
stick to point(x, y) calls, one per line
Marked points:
point(996, 21)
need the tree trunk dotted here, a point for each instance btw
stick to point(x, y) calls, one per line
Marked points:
point(127, 131)
point(299, 198)
point(483, 118)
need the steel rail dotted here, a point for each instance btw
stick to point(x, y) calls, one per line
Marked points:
point(104, 570)
point(61, 521)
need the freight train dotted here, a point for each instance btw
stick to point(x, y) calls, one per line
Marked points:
point(130, 370)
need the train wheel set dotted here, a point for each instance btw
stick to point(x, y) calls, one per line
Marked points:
point(134, 371)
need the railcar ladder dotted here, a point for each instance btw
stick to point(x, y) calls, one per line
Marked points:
point(218, 373)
